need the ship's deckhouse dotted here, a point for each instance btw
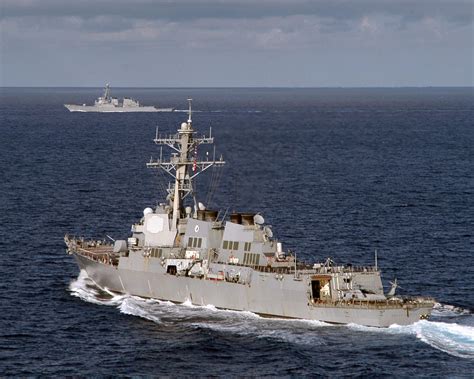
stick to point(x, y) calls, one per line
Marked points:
point(201, 235)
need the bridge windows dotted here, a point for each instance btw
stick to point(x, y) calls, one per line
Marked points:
point(195, 242)
point(230, 245)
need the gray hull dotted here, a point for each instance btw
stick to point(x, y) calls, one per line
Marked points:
point(114, 109)
point(264, 294)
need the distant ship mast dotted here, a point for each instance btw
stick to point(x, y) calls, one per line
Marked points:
point(107, 92)
point(183, 166)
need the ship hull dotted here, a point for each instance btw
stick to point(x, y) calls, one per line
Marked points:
point(265, 295)
point(114, 109)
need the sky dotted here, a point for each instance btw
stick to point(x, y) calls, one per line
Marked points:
point(237, 43)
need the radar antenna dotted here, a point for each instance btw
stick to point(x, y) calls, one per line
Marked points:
point(183, 166)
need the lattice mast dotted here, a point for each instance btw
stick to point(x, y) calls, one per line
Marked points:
point(184, 164)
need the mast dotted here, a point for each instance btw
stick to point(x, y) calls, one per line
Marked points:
point(107, 91)
point(183, 167)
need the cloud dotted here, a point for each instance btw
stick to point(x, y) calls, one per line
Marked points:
point(273, 32)
point(238, 33)
point(260, 24)
point(368, 25)
point(458, 11)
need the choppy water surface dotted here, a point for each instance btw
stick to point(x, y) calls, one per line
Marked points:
point(337, 173)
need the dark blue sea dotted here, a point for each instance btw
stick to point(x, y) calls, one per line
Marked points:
point(338, 173)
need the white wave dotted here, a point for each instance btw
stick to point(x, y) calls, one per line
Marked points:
point(392, 329)
point(188, 304)
point(214, 309)
point(79, 282)
point(446, 310)
point(187, 110)
point(86, 289)
point(78, 288)
point(138, 307)
point(167, 303)
point(210, 307)
point(451, 338)
point(454, 339)
point(311, 323)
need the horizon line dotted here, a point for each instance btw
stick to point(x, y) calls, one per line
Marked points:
point(255, 87)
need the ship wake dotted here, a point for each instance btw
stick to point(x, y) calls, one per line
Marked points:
point(451, 329)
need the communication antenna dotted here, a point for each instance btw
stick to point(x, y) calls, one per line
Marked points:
point(190, 111)
point(376, 261)
point(296, 275)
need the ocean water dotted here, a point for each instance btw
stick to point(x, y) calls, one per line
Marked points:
point(339, 173)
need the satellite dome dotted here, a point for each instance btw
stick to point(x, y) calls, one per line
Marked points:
point(268, 231)
point(258, 219)
point(184, 125)
point(147, 211)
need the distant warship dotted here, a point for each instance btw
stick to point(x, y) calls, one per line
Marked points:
point(181, 251)
point(106, 103)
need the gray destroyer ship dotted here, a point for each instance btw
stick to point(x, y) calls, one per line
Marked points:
point(180, 251)
point(107, 103)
